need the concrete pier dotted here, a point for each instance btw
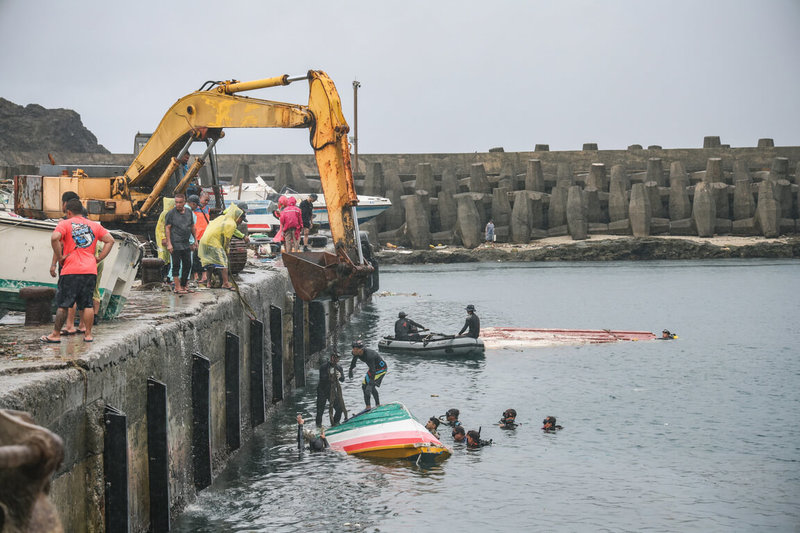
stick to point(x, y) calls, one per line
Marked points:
point(448, 210)
point(424, 180)
point(577, 217)
point(520, 226)
point(373, 183)
point(714, 172)
point(597, 177)
point(617, 201)
point(704, 213)
point(655, 171)
point(501, 207)
point(417, 224)
point(477, 179)
point(179, 367)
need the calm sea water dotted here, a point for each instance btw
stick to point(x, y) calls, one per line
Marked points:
point(698, 434)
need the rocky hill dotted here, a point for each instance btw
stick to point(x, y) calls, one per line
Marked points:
point(35, 129)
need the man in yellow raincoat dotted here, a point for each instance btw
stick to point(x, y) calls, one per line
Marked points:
point(161, 236)
point(216, 242)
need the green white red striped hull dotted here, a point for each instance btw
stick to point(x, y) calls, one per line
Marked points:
point(388, 431)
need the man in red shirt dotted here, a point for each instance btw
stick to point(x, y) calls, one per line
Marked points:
point(74, 241)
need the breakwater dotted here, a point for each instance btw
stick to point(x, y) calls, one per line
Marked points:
point(448, 198)
point(152, 410)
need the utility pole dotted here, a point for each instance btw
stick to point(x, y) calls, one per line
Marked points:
point(356, 85)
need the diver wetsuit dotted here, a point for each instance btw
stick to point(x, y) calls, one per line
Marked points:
point(315, 444)
point(473, 323)
point(374, 376)
point(326, 371)
point(406, 329)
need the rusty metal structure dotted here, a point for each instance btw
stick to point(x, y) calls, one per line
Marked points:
point(29, 455)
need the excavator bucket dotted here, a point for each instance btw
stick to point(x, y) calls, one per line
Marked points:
point(316, 274)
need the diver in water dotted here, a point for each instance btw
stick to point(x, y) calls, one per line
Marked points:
point(549, 424)
point(509, 419)
point(666, 335)
point(459, 434)
point(432, 425)
point(450, 418)
point(376, 369)
point(315, 444)
point(329, 372)
point(473, 323)
point(474, 440)
point(406, 329)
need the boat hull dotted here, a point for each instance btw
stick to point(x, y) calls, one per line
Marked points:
point(517, 338)
point(30, 239)
point(436, 347)
point(386, 432)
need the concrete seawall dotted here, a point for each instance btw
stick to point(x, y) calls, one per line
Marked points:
point(172, 388)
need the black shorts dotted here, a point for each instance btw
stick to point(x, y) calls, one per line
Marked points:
point(75, 289)
point(306, 223)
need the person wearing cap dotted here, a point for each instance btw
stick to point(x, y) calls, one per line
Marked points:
point(432, 425)
point(329, 371)
point(376, 369)
point(406, 329)
point(473, 323)
point(307, 213)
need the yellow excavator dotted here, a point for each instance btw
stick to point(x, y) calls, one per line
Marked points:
point(127, 201)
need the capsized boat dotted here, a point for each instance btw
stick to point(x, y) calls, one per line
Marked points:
point(29, 241)
point(262, 201)
point(434, 344)
point(387, 431)
point(516, 338)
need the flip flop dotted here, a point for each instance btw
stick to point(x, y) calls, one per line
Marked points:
point(68, 332)
point(87, 340)
point(181, 292)
point(45, 339)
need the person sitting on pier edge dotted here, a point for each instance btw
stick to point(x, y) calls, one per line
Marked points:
point(329, 371)
point(376, 369)
point(473, 323)
point(406, 329)
point(549, 424)
point(432, 425)
point(459, 434)
point(315, 444)
point(667, 336)
point(509, 419)
point(474, 440)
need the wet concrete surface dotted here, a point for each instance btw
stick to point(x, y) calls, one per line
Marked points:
point(22, 352)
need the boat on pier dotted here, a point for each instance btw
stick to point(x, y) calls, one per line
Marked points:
point(29, 242)
point(387, 431)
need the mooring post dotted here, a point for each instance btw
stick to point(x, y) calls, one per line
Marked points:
point(276, 347)
point(157, 455)
point(232, 399)
point(115, 469)
point(256, 372)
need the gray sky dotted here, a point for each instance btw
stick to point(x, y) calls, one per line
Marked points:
point(437, 76)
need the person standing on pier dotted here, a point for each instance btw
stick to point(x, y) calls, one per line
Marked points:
point(490, 236)
point(473, 323)
point(376, 370)
point(74, 241)
point(181, 241)
point(307, 211)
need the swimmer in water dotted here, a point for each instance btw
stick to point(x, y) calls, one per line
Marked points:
point(666, 335)
point(315, 444)
point(474, 440)
point(432, 425)
point(549, 424)
point(509, 419)
point(459, 434)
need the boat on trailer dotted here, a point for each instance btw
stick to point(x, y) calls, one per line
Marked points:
point(387, 431)
point(517, 338)
point(434, 344)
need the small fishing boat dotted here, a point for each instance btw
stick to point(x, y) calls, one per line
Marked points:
point(29, 241)
point(516, 338)
point(434, 344)
point(387, 431)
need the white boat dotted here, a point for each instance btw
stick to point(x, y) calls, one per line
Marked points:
point(30, 242)
point(262, 200)
point(435, 345)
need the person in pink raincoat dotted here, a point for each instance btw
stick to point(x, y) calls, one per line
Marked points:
point(291, 225)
